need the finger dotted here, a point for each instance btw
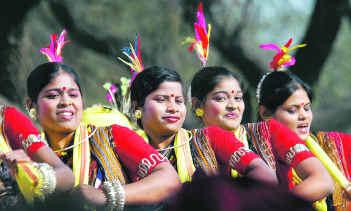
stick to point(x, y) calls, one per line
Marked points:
point(2, 155)
point(13, 170)
point(17, 155)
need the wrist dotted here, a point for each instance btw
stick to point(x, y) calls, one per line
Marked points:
point(114, 194)
point(46, 182)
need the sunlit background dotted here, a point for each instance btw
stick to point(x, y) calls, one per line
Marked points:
point(98, 29)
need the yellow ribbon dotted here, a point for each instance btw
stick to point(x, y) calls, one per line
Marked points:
point(27, 176)
point(101, 116)
point(241, 135)
point(185, 165)
point(81, 156)
point(333, 170)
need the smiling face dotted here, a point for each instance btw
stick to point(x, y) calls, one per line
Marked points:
point(60, 105)
point(224, 105)
point(296, 113)
point(164, 109)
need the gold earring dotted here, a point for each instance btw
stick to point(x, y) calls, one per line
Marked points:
point(138, 114)
point(33, 113)
point(199, 112)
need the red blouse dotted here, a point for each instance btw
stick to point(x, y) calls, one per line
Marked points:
point(228, 149)
point(138, 157)
point(20, 131)
point(286, 144)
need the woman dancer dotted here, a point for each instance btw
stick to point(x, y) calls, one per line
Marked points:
point(159, 105)
point(285, 97)
point(38, 174)
point(218, 100)
point(112, 165)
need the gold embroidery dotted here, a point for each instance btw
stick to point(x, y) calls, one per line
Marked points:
point(293, 151)
point(31, 139)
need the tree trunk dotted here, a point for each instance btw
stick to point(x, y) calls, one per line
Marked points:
point(320, 36)
point(12, 14)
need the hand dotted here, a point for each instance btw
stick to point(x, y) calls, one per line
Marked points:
point(13, 158)
point(90, 195)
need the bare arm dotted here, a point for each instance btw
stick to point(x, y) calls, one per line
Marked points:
point(316, 183)
point(159, 185)
point(18, 129)
point(154, 188)
point(259, 171)
point(64, 175)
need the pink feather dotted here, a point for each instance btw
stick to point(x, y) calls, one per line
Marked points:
point(200, 20)
point(270, 46)
point(54, 51)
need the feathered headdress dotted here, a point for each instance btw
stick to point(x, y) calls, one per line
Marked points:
point(200, 43)
point(54, 50)
point(134, 55)
point(281, 59)
point(121, 90)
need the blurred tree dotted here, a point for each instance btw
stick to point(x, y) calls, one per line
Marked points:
point(98, 29)
point(12, 15)
point(324, 24)
point(81, 36)
point(320, 35)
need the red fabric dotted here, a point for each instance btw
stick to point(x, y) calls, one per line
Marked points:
point(224, 144)
point(17, 128)
point(132, 149)
point(346, 141)
point(282, 139)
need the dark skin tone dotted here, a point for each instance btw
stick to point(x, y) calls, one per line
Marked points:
point(164, 113)
point(64, 176)
point(59, 107)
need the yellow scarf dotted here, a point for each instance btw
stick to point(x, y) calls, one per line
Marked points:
point(81, 155)
point(241, 134)
point(101, 116)
point(185, 164)
point(28, 177)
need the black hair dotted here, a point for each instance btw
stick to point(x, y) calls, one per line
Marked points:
point(277, 87)
point(43, 74)
point(206, 79)
point(148, 81)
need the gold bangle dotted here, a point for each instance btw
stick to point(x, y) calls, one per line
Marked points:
point(31, 139)
point(115, 195)
point(47, 180)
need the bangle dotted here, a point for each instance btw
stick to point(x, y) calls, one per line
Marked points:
point(47, 180)
point(115, 195)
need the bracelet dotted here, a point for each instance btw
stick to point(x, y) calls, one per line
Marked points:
point(47, 180)
point(31, 139)
point(115, 195)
